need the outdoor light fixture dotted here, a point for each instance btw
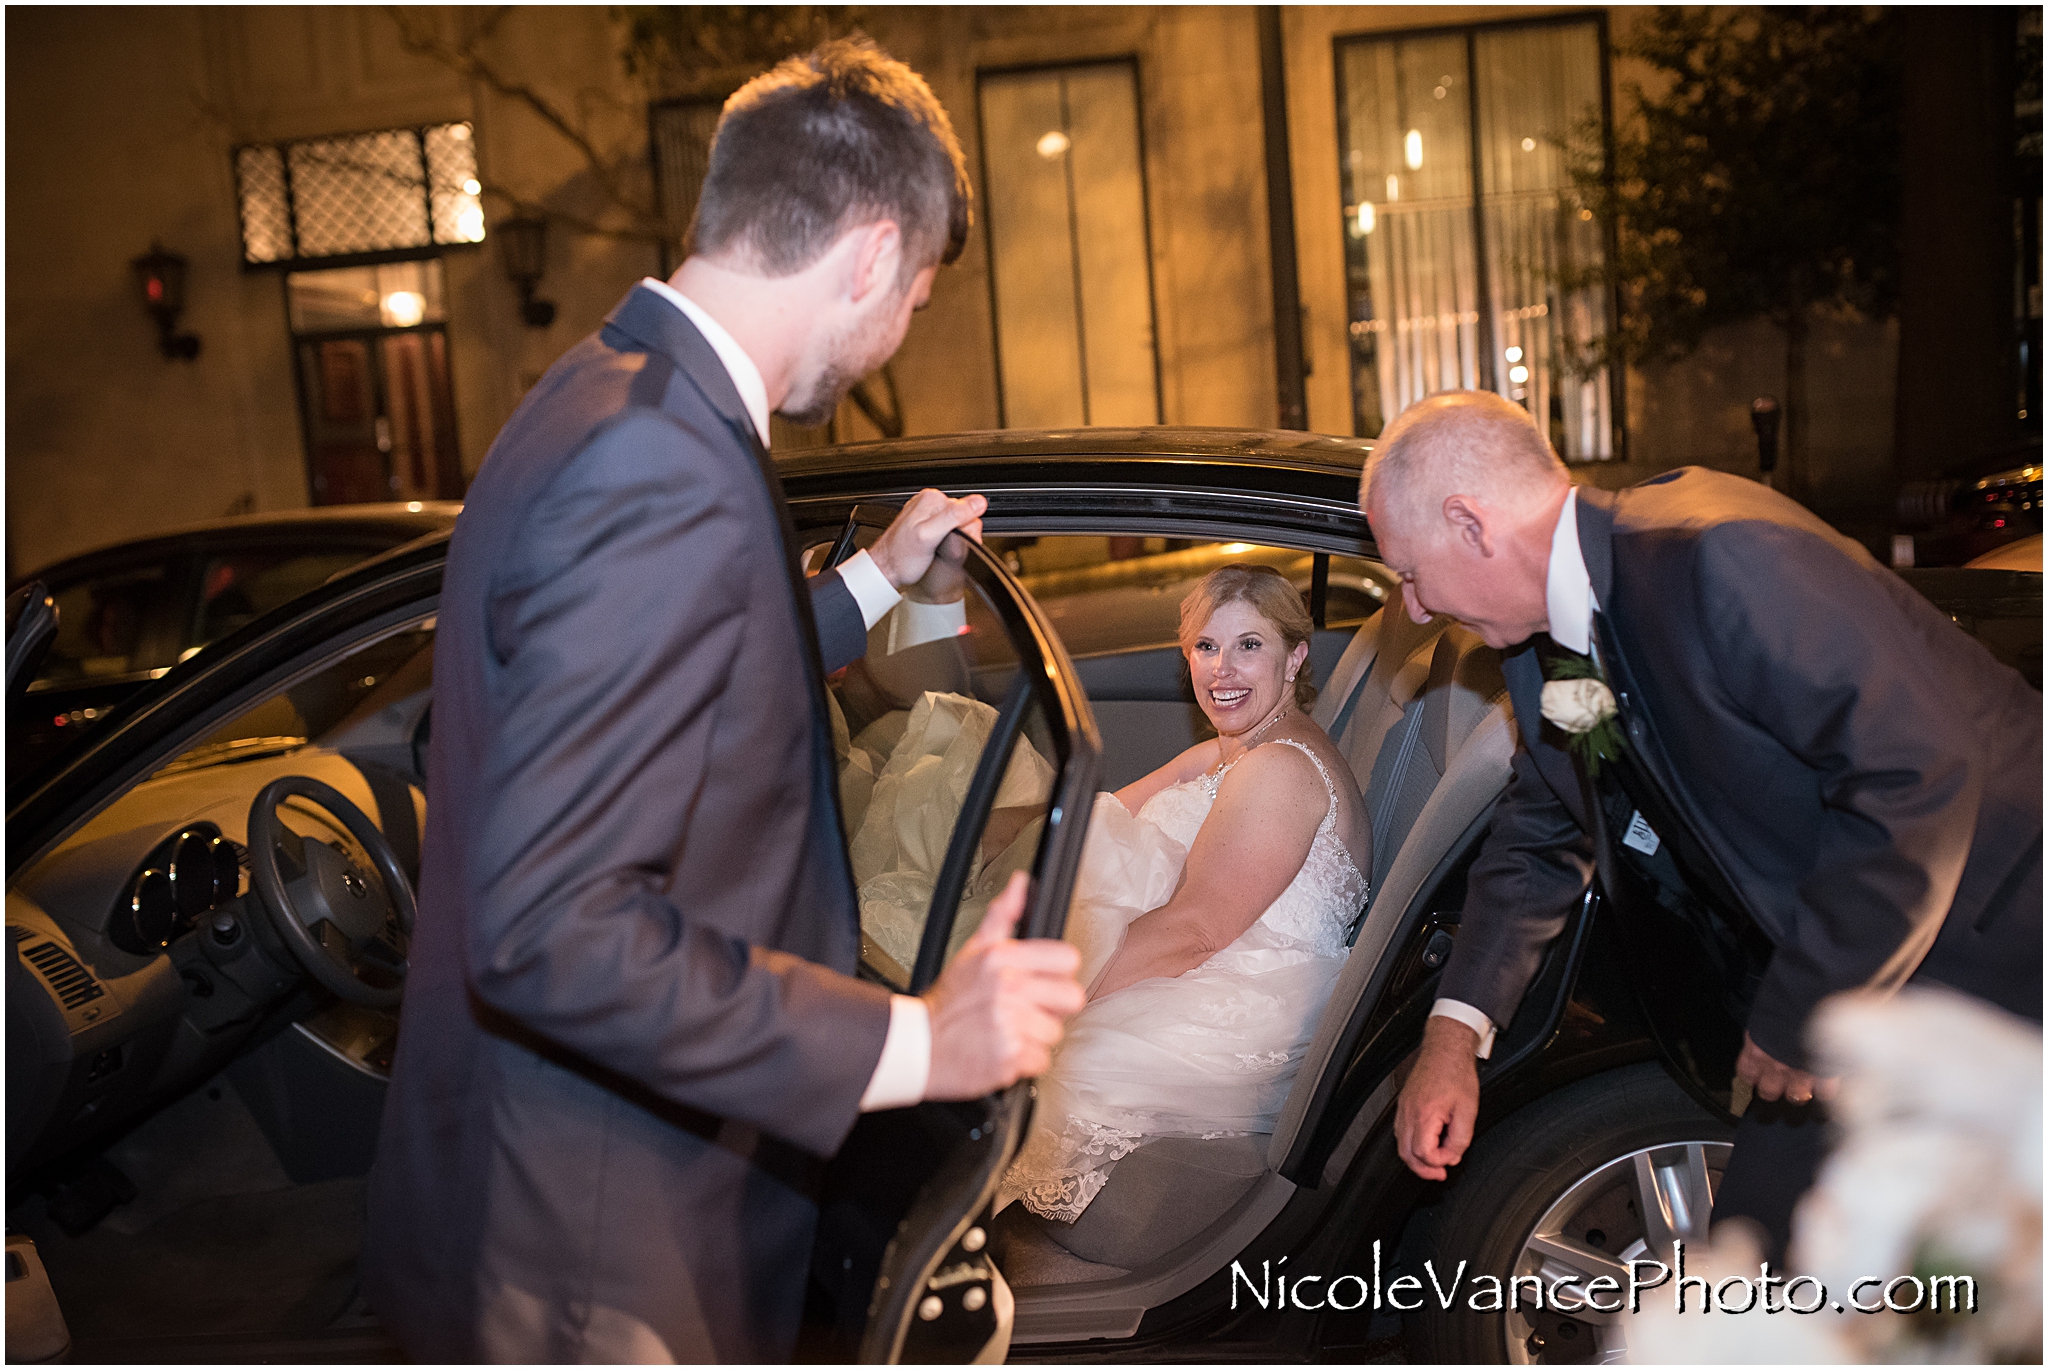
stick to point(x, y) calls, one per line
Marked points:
point(524, 243)
point(161, 278)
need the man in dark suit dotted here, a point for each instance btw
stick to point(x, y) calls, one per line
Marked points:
point(632, 1029)
point(1813, 747)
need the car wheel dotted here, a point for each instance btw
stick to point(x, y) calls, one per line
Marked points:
point(1606, 1171)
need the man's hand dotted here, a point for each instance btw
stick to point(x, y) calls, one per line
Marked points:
point(1772, 1079)
point(1440, 1101)
point(905, 552)
point(999, 1009)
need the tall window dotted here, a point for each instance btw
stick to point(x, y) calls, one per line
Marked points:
point(371, 344)
point(1457, 224)
point(1069, 250)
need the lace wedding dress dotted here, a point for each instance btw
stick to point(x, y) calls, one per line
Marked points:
point(1209, 1053)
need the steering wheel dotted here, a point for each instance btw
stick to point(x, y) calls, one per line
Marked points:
point(336, 918)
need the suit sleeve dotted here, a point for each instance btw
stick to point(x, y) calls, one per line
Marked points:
point(1843, 676)
point(1534, 866)
point(615, 643)
point(842, 632)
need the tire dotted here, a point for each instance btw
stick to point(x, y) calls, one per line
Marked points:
point(1561, 1186)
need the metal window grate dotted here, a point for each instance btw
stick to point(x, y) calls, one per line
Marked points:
point(72, 982)
point(355, 196)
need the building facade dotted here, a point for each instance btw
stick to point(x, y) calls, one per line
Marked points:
point(339, 181)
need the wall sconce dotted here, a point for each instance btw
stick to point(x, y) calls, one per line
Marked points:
point(161, 278)
point(524, 243)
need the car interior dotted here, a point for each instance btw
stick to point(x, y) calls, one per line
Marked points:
point(1421, 714)
point(193, 1106)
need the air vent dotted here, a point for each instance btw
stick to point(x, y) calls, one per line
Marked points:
point(72, 982)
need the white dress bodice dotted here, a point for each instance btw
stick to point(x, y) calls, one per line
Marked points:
point(1318, 905)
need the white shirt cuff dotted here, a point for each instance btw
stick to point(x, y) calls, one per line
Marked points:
point(913, 623)
point(1471, 1018)
point(906, 1064)
point(870, 589)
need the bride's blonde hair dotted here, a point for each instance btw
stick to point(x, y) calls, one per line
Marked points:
point(1267, 591)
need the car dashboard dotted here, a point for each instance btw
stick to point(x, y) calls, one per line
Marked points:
point(145, 961)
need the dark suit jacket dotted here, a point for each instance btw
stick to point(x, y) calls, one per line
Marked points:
point(1864, 775)
point(630, 1027)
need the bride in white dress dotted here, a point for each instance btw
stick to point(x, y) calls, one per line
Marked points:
point(1212, 909)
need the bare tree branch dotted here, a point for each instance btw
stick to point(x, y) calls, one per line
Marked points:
point(463, 57)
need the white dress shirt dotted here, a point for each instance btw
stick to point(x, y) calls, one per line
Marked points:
point(1568, 598)
point(906, 1061)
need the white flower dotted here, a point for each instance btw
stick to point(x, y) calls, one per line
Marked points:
point(1577, 706)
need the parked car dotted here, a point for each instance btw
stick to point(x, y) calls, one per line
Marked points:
point(206, 909)
point(131, 611)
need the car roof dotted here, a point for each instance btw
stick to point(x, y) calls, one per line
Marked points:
point(400, 522)
point(1219, 447)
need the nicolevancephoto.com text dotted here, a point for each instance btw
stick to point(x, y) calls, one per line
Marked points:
point(1573, 1293)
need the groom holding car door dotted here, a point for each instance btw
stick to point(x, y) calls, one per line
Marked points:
point(1730, 707)
point(632, 1029)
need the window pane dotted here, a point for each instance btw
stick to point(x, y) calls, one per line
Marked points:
point(103, 625)
point(358, 694)
point(1412, 265)
point(1436, 303)
point(909, 726)
point(240, 587)
point(1067, 242)
point(1111, 594)
point(397, 295)
point(1537, 86)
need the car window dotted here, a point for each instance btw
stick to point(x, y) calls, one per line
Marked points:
point(107, 625)
point(369, 698)
point(236, 587)
point(918, 723)
point(1119, 593)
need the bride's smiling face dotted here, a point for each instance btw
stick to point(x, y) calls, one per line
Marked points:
point(1240, 663)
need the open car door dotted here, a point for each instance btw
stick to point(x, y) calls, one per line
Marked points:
point(962, 759)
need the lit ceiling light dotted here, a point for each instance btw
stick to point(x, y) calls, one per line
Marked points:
point(472, 186)
point(1367, 219)
point(1411, 149)
point(1514, 354)
point(404, 308)
point(1054, 145)
point(1518, 374)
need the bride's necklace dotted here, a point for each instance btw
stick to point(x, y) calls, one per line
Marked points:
point(1250, 742)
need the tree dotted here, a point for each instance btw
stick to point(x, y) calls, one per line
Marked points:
point(1761, 180)
point(671, 50)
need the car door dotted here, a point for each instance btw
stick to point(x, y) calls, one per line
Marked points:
point(963, 757)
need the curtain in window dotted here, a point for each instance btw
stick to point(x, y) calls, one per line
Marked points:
point(1451, 265)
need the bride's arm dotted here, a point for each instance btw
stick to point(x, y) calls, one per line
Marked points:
point(1249, 849)
point(1193, 762)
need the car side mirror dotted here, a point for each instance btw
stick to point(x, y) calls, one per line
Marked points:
point(31, 628)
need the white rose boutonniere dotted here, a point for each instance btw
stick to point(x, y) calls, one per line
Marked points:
point(1578, 701)
point(1577, 706)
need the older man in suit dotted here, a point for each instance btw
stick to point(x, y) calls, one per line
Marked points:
point(1795, 739)
point(632, 1028)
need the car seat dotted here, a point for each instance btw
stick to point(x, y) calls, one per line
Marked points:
point(1421, 711)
